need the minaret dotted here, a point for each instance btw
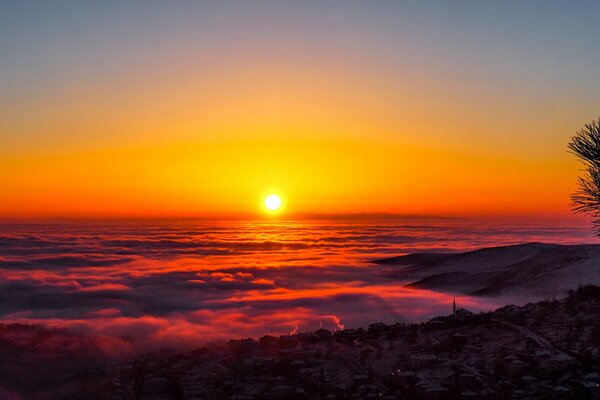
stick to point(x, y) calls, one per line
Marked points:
point(454, 306)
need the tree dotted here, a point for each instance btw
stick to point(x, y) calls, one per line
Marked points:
point(586, 146)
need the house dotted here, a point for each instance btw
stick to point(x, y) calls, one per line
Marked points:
point(592, 376)
point(528, 380)
point(466, 381)
point(421, 360)
point(468, 395)
point(406, 378)
point(561, 392)
point(514, 365)
point(360, 379)
point(434, 391)
point(556, 362)
point(282, 392)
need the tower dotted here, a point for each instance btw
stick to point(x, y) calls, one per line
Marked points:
point(454, 306)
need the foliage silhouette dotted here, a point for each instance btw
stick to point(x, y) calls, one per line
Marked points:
point(586, 146)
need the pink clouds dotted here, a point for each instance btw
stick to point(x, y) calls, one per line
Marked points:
point(105, 287)
point(183, 283)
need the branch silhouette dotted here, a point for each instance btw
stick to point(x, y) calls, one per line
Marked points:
point(586, 146)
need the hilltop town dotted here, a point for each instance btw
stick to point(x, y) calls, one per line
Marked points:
point(544, 350)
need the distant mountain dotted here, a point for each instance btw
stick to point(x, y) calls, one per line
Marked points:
point(532, 269)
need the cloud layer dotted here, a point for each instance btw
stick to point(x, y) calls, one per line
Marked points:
point(188, 282)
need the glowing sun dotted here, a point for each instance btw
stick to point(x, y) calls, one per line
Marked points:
point(273, 202)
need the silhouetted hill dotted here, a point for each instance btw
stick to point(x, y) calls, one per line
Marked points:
point(532, 269)
point(543, 350)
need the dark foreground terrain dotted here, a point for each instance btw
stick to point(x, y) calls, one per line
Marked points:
point(545, 350)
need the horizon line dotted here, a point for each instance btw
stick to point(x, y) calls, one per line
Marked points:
point(382, 216)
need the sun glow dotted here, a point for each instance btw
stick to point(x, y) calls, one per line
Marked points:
point(273, 202)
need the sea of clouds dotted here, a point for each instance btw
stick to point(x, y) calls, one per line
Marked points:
point(182, 283)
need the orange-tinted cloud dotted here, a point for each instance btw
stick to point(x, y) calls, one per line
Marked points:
point(187, 282)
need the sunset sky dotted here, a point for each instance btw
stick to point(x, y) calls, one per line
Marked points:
point(189, 109)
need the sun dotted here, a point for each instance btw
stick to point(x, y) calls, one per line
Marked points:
point(273, 202)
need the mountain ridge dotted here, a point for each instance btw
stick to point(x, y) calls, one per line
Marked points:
point(531, 269)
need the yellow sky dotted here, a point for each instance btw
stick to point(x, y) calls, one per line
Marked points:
point(315, 176)
point(362, 114)
point(201, 147)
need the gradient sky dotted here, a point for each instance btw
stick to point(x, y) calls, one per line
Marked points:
point(180, 109)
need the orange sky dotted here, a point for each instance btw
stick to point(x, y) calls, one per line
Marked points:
point(315, 176)
point(185, 119)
